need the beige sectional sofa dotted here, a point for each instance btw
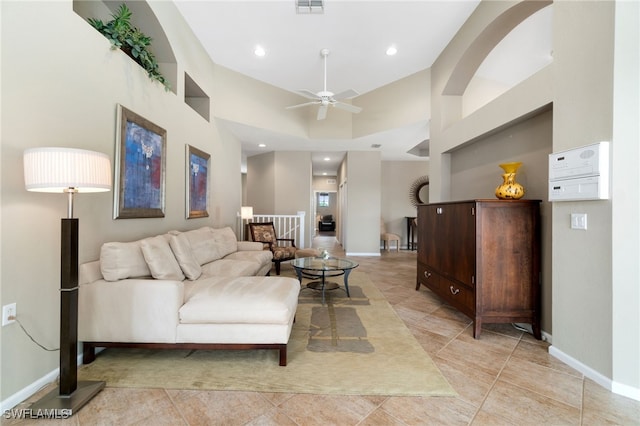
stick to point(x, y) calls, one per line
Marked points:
point(199, 289)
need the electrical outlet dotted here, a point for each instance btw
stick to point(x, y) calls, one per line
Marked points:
point(7, 312)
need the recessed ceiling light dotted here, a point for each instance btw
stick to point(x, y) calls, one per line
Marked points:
point(261, 145)
point(327, 159)
point(324, 173)
point(392, 50)
point(259, 51)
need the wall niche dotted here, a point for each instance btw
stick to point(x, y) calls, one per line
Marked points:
point(195, 97)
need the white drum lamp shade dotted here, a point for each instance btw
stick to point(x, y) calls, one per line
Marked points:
point(65, 170)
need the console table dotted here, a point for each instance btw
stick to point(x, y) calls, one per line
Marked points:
point(411, 241)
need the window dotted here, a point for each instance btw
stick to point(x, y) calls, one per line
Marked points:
point(323, 199)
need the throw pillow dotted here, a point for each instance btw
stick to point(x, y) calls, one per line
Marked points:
point(225, 241)
point(119, 261)
point(179, 243)
point(203, 245)
point(160, 259)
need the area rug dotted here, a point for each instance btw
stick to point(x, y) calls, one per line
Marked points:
point(346, 346)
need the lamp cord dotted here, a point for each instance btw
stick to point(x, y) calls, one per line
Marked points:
point(32, 339)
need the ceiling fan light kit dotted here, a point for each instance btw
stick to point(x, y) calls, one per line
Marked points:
point(326, 98)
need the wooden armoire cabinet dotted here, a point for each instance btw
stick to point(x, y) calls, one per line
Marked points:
point(483, 258)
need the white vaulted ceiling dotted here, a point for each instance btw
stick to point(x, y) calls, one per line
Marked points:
point(357, 33)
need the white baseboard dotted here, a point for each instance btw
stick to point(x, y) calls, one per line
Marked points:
point(362, 254)
point(625, 390)
point(604, 381)
point(26, 392)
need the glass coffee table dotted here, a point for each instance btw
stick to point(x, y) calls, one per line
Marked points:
point(320, 269)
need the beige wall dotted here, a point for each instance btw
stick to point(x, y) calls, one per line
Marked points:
point(626, 209)
point(363, 203)
point(280, 183)
point(261, 180)
point(321, 183)
point(293, 182)
point(397, 104)
point(582, 276)
point(397, 178)
point(293, 188)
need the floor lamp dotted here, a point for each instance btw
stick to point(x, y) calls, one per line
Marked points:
point(69, 171)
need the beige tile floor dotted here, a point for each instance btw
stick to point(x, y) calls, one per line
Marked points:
point(504, 378)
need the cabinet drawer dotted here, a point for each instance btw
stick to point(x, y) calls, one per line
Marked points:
point(426, 276)
point(459, 296)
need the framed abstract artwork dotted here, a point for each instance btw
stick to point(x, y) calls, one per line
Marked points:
point(197, 180)
point(140, 167)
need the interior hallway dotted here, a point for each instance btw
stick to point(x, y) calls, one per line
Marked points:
point(504, 378)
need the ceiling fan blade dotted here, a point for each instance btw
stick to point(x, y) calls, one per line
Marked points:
point(302, 105)
point(347, 94)
point(347, 107)
point(308, 94)
point(322, 112)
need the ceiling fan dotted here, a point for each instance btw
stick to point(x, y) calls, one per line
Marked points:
point(326, 98)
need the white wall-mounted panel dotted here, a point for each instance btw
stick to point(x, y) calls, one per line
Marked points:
point(580, 174)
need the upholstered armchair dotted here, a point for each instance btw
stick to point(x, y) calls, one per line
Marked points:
point(282, 248)
point(327, 223)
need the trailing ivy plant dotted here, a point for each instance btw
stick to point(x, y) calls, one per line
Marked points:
point(131, 41)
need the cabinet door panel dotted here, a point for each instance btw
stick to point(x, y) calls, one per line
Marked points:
point(508, 246)
point(428, 238)
point(457, 223)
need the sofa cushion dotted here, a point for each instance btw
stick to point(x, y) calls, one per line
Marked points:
point(262, 257)
point(225, 240)
point(119, 261)
point(160, 259)
point(202, 245)
point(250, 246)
point(242, 300)
point(181, 248)
point(208, 244)
point(230, 268)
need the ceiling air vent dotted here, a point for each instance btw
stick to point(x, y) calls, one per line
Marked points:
point(310, 6)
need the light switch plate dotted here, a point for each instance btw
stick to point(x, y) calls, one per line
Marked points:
point(579, 221)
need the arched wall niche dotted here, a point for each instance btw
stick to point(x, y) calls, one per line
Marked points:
point(478, 51)
point(143, 18)
point(524, 51)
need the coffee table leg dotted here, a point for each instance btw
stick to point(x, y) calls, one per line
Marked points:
point(346, 281)
point(299, 273)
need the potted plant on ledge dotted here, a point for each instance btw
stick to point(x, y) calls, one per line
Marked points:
point(131, 41)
